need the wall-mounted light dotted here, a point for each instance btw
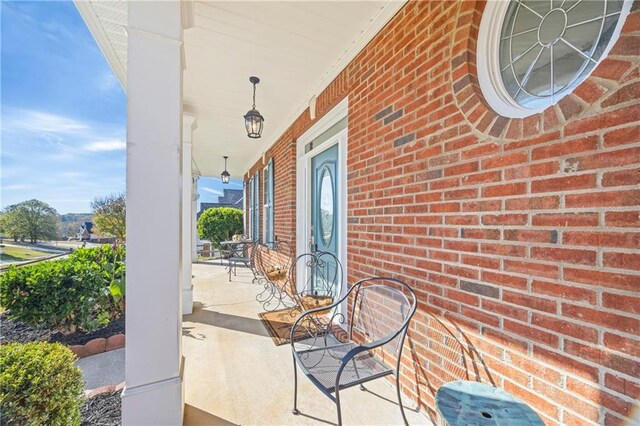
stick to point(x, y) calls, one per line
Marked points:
point(253, 120)
point(225, 176)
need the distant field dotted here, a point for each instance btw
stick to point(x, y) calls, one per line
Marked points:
point(19, 254)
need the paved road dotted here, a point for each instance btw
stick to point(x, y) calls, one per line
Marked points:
point(50, 249)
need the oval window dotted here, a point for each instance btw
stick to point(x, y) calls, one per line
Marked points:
point(533, 53)
point(326, 205)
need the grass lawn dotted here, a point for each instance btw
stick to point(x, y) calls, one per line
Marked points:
point(19, 254)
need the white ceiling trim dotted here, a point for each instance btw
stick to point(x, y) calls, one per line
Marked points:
point(100, 35)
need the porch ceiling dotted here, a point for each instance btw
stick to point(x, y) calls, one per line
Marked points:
point(296, 48)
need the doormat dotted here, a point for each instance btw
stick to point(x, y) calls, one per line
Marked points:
point(278, 324)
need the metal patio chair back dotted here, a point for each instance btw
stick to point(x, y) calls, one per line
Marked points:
point(273, 260)
point(315, 280)
point(368, 347)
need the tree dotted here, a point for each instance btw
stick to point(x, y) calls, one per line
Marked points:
point(220, 224)
point(33, 219)
point(11, 224)
point(109, 215)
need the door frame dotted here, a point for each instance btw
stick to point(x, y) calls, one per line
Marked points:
point(303, 180)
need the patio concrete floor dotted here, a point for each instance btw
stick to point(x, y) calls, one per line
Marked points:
point(235, 375)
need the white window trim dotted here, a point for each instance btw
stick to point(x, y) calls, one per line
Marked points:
point(488, 61)
point(256, 206)
point(267, 221)
point(250, 199)
point(265, 206)
point(244, 210)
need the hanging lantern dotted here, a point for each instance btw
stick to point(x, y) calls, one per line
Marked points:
point(253, 120)
point(225, 176)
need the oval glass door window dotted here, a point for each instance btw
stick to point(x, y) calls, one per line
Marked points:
point(326, 205)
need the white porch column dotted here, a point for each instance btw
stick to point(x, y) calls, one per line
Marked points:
point(194, 218)
point(153, 373)
point(188, 126)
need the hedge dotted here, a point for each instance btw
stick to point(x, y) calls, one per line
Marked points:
point(39, 384)
point(84, 291)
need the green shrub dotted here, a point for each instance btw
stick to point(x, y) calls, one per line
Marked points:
point(63, 294)
point(220, 224)
point(86, 290)
point(111, 260)
point(39, 385)
point(102, 255)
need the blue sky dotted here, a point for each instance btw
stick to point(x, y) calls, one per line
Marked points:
point(63, 111)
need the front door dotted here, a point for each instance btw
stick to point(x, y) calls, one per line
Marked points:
point(324, 221)
point(324, 201)
point(321, 220)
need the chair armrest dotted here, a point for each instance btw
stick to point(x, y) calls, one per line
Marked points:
point(353, 352)
point(380, 342)
point(309, 312)
point(348, 357)
point(367, 347)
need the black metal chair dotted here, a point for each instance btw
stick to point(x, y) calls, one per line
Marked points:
point(368, 348)
point(242, 254)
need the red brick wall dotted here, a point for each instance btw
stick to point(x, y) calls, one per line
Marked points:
point(283, 153)
point(520, 236)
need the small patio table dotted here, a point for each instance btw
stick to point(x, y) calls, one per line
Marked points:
point(479, 404)
point(234, 247)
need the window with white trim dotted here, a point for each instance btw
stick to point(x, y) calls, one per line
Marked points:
point(255, 199)
point(268, 202)
point(250, 199)
point(532, 53)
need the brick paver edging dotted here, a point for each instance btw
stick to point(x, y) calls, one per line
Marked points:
point(98, 346)
point(103, 389)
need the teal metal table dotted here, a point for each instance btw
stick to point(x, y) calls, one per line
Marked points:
point(466, 403)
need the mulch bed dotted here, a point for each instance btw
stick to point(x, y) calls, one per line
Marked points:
point(102, 410)
point(18, 331)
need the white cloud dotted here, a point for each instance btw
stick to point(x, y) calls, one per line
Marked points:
point(109, 145)
point(42, 122)
point(74, 175)
point(66, 133)
point(16, 187)
point(212, 191)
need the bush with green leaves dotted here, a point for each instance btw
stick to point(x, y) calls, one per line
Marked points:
point(111, 260)
point(84, 291)
point(220, 224)
point(39, 385)
point(103, 254)
point(62, 295)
